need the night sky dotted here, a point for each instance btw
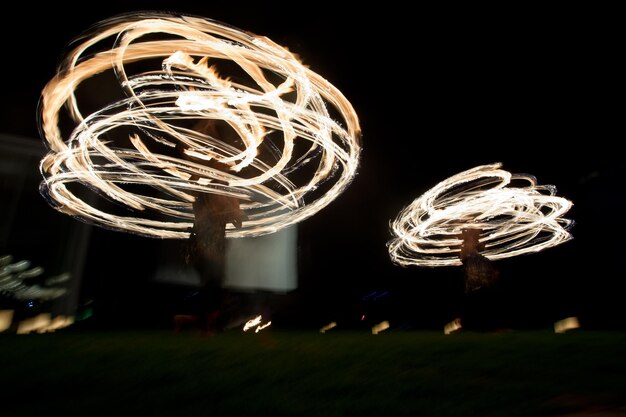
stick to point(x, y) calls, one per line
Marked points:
point(437, 91)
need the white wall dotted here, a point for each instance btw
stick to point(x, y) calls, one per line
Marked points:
point(267, 262)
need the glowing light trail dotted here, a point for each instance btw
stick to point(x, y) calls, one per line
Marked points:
point(329, 326)
point(256, 322)
point(14, 277)
point(251, 323)
point(290, 139)
point(262, 326)
point(514, 213)
point(382, 326)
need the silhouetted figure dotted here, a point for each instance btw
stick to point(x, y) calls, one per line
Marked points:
point(479, 271)
point(206, 248)
point(479, 274)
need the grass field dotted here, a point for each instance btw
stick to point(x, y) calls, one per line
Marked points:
point(282, 373)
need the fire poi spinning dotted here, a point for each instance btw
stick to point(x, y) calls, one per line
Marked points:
point(205, 111)
point(484, 209)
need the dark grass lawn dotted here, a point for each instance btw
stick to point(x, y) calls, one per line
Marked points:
point(282, 373)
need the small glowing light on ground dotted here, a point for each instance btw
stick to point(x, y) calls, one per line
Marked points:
point(60, 322)
point(251, 323)
point(515, 215)
point(329, 326)
point(255, 322)
point(453, 326)
point(569, 323)
point(6, 318)
point(43, 323)
point(35, 324)
point(262, 326)
point(382, 326)
point(287, 141)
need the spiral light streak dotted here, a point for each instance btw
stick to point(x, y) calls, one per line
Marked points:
point(515, 215)
point(291, 140)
